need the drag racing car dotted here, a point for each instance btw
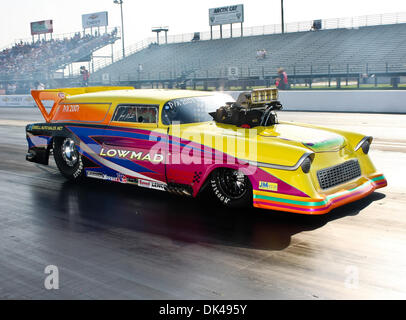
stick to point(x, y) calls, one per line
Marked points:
point(184, 142)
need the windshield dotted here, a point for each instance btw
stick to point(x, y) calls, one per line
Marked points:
point(191, 110)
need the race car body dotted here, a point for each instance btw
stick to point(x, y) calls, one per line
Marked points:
point(185, 141)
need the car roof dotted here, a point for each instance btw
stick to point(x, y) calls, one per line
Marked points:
point(148, 95)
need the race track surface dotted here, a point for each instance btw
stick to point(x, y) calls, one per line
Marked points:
point(117, 241)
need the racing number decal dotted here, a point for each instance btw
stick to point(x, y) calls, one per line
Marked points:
point(71, 108)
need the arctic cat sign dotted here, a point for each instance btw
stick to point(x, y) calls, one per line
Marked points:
point(226, 15)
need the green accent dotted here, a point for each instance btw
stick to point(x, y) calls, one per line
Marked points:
point(303, 203)
point(326, 144)
point(348, 191)
point(317, 203)
point(382, 177)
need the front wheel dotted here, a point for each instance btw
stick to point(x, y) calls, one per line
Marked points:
point(231, 187)
point(68, 158)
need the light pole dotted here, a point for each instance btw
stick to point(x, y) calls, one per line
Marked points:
point(120, 2)
point(283, 19)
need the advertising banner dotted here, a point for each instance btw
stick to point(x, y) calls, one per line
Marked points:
point(226, 15)
point(17, 101)
point(232, 73)
point(98, 19)
point(21, 100)
point(41, 27)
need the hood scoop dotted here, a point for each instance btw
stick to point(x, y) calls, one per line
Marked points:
point(315, 139)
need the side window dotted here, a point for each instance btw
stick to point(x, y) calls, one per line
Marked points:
point(136, 114)
point(147, 114)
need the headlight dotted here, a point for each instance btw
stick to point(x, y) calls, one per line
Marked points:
point(306, 164)
point(364, 144)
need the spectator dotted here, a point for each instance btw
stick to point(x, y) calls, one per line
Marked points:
point(45, 56)
point(283, 82)
point(139, 70)
point(11, 88)
point(277, 81)
point(261, 54)
point(39, 86)
point(364, 77)
point(85, 75)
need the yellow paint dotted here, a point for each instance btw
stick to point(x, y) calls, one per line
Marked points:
point(260, 144)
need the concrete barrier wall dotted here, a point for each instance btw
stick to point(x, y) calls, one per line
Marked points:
point(375, 101)
point(372, 101)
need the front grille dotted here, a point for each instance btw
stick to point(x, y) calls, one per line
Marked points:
point(339, 174)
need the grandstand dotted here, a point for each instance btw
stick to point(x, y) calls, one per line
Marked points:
point(354, 49)
point(346, 52)
point(26, 62)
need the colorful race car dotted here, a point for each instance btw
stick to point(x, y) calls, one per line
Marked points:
point(184, 141)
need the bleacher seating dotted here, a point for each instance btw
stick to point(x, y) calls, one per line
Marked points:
point(25, 60)
point(323, 51)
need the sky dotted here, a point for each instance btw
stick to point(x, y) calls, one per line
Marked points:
point(181, 16)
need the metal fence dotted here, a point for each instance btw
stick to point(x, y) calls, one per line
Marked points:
point(62, 36)
point(302, 26)
point(265, 72)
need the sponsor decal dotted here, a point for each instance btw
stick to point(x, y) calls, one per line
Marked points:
point(99, 175)
point(119, 178)
point(132, 181)
point(93, 174)
point(48, 128)
point(71, 108)
point(131, 155)
point(158, 186)
point(268, 186)
point(144, 183)
point(151, 185)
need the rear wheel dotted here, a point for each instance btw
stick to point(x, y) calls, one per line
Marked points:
point(68, 158)
point(231, 187)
